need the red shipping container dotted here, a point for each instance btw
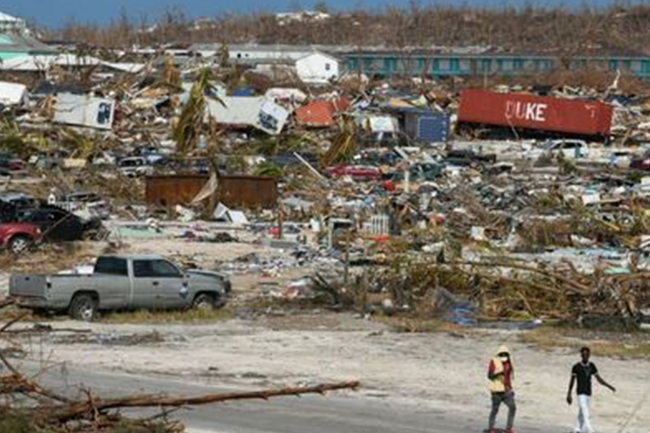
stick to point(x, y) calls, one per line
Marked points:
point(535, 112)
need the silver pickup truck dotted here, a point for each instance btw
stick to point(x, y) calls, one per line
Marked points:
point(122, 283)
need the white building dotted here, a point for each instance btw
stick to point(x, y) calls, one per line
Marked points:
point(11, 24)
point(310, 64)
point(317, 68)
point(260, 53)
point(284, 18)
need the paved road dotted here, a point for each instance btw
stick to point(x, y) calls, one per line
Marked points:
point(312, 414)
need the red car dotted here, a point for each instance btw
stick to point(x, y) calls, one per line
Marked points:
point(641, 162)
point(357, 172)
point(9, 163)
point(19, 237)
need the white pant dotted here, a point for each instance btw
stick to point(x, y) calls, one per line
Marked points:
point(584, 422)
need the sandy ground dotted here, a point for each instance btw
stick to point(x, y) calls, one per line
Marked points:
point(438, 371)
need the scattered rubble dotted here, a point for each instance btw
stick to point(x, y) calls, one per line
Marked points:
point(369, 185)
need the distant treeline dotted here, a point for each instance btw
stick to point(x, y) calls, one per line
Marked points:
point(618, 28)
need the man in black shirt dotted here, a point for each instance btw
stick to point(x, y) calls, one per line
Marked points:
point(582, 373)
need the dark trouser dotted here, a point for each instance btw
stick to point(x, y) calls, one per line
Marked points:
point(507, 398)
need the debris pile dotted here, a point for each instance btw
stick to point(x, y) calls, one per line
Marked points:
point(341, 177)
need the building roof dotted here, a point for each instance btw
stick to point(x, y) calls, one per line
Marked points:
point(478, 52)
point(6, 18)
point(37, 63)
point(22, 43)
point(329, 56)
point(259, 48)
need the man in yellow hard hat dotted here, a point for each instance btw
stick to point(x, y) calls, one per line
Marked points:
point(501, 375)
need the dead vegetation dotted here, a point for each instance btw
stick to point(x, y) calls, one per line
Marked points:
point(503, 289)
point(560, 30)
point(611, 344)
point(48, 258)
point(169, 317)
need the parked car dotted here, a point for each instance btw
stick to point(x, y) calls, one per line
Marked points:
point(468, 157)
point(135, 166)
point(12, 202)
point(59, 225)
point(18, 199)
point(421, 172)
point(357, 172)
point(642, 162)
point(18, 237)
point(122, 283)
point(91, 202)
point(50, 159)
point(569, 149)
point(7, 212)
point(9, 163)
point(152, 154)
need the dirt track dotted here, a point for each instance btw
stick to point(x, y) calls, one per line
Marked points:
point(437, 371)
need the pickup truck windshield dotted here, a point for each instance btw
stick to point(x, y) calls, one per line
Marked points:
point(111, 266)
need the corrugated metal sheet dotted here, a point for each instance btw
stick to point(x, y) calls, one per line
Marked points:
point(248, 191)
point(172, 190)
point(237, 192)
point(536, 112)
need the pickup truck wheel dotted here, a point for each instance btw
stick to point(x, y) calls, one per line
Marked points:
point(204, 302)
point(84, 307)
point(20, 244)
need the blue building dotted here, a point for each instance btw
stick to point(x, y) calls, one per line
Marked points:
point(439, 65)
